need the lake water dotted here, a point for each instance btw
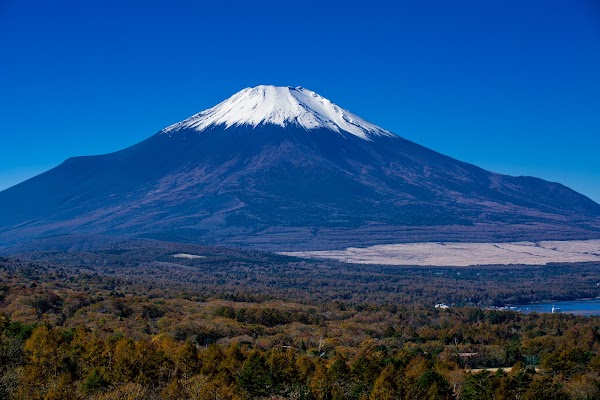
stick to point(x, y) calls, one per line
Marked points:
point(576, 307)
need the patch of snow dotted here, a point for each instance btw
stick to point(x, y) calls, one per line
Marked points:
point(189, 256)
point(283, 106)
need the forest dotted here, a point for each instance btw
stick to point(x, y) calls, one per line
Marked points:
point(155, 320)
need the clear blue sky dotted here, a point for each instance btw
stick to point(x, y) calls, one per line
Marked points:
point(510, 85)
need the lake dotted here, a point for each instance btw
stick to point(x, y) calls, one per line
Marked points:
point(576, 307)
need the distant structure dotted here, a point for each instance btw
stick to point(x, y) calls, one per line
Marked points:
point(442, 306)
point(555, 310)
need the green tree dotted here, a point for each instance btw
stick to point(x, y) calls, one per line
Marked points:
point(478, 386)
point(254, 378)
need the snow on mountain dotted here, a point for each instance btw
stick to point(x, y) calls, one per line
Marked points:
point(281, 105)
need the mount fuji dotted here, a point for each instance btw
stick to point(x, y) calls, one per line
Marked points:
point(284, 168)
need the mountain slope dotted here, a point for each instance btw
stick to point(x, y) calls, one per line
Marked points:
point(286, 168)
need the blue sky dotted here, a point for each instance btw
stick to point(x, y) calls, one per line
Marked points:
point(510, 85)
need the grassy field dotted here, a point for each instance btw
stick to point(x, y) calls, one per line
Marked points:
point(465, 254)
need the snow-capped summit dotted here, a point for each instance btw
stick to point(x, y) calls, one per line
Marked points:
point(283, 106)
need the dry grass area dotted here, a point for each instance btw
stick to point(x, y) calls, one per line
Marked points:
point(465, 254)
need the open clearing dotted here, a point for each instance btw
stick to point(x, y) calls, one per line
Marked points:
point(464, 254)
